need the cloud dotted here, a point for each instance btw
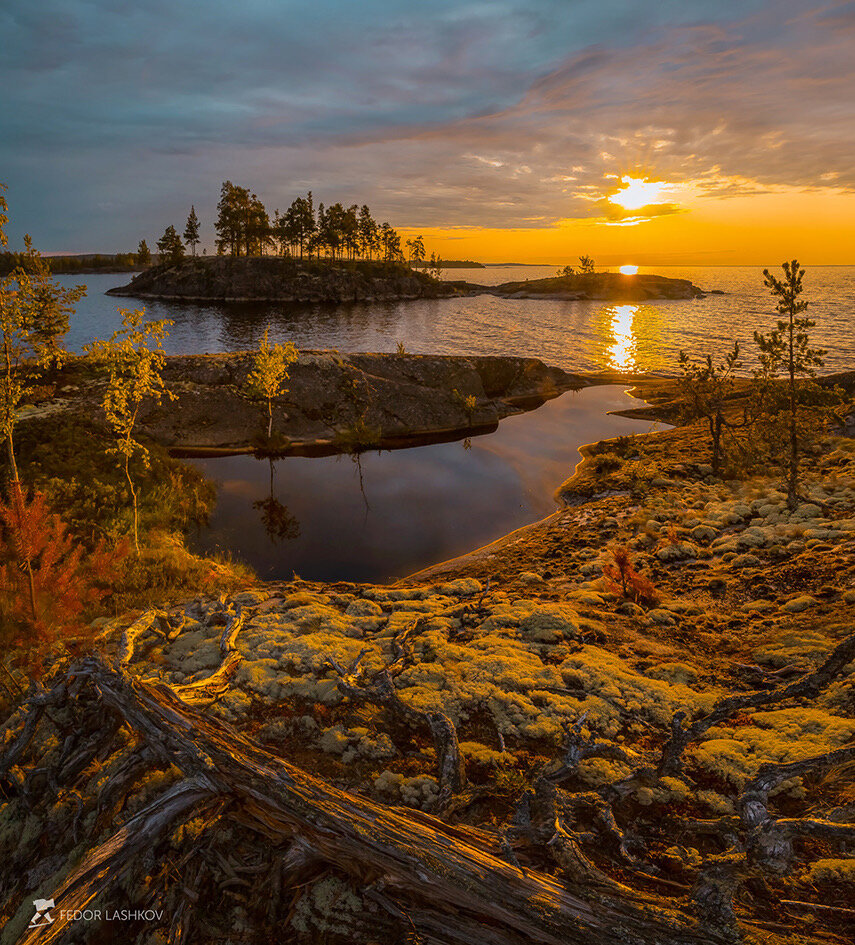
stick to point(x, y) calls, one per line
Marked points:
point(512, 113)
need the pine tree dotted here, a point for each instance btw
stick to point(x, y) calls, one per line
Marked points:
point(170, 246)
point(49, 304)
point(705, 389)
point(416, 249)
point(143, 254)
point(191, 231)
point(786, 350)
point(47, 579)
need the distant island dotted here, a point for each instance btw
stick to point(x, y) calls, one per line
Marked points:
point(282, 279)
point(79, 263)
point(450, 264)
point(612, 286)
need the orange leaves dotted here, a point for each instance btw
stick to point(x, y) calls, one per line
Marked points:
point(623, 579)
point(47, 580)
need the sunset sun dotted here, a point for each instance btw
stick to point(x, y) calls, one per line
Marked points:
point(637, 192)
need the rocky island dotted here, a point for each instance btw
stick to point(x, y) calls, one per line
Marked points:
point(286, 279)
point(605, 286)
point(281, 279)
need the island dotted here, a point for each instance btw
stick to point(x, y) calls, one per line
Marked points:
point(606, 286)
point(281, 279)
point(288, 279)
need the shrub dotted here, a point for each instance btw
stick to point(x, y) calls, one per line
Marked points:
point(622, 578)
point(606, 462)
point(48, 584)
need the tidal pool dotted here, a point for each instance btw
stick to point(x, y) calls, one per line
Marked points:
point(385, 515)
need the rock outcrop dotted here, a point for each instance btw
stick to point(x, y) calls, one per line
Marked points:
point(335, 402)
point(606, 286)
point(278, 279)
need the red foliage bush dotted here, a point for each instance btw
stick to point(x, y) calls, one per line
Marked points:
point(49, 584)
point(622, 578)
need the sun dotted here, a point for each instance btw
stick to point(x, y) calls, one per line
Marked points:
point(637, 193)
point(629, 270)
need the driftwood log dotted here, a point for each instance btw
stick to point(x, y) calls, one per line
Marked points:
point(426, 880)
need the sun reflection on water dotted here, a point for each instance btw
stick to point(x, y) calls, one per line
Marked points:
point(622, 353)
point(628, 337)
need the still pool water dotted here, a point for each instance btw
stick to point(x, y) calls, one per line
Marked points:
point(398, 511)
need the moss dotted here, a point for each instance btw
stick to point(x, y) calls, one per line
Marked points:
point(598, 772)
point(483, 755)
point(832, 871)
point(779, 736)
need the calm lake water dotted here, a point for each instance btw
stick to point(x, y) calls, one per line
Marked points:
point(397, 512)
point(573, 335)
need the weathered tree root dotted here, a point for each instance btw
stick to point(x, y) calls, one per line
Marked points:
point(379, 689)
point(447, 880)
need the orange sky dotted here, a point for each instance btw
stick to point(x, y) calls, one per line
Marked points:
point(752, 229)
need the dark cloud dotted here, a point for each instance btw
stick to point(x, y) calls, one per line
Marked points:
point(502, 113)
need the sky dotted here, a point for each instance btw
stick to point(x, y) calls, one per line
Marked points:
point(655, 132)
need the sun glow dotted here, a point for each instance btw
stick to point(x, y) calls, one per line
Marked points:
point(629, 270)
point(637, 193)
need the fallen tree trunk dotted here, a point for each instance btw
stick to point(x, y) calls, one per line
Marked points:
point(446, 879)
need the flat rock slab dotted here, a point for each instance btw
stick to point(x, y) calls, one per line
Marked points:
point(338, 402)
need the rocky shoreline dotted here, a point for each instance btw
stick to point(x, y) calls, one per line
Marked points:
point(334, 402)
point(675, 760)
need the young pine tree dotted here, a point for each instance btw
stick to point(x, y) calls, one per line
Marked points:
point(704, 389)
point(170, 246)
point(48, 581)
point(134, 359)
point(49, 304)
point(786, 351)
point(191, 231)
point(33, 318)
point(270, 372)
point(143, 254)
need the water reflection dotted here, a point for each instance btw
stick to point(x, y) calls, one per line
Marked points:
point(427, 503)
point(279, 524)
point(628, 338)
point(623, 351)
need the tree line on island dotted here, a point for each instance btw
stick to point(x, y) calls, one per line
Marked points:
point(244, 228)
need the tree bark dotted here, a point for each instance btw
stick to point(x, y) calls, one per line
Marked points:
point(447, 879)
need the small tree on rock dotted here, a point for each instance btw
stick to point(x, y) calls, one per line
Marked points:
point(270, 372)
point(170, 246)
point(191, 231)
point(586, 265)
point(786, 351)
point(134, 359)
point(143, 254)
point(705, 388)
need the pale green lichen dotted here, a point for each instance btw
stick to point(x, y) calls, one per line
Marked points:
point(328, 907)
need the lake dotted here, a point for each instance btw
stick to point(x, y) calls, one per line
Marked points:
point(585, 336)
point(397, 512)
